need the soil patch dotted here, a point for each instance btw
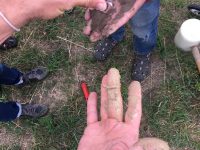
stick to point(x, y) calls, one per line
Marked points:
point(52, 92)
point(25, 142)
point(156, 77)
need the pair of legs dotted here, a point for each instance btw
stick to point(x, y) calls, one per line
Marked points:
point(144, 26)
point(11, 76)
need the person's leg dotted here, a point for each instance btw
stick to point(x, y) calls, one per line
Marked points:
point(118, 35)
point(9, 111)
point(12, 76)
point(9, 76)
point(104, 48)
point(145, 27)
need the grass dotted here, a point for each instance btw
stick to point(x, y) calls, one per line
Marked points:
point(170, 111)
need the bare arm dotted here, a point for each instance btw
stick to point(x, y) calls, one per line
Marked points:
point(20, 12)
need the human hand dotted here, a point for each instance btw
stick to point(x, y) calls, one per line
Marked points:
point(19, 12)
point(102, 24)
point(47, 9)
point(111, 132)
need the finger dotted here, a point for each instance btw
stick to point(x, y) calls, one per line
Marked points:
point(134, 111)
point(92, 115)
point(115, 107)
point(87, 15)
point(101, 6)
point(95, 36)
point(49, 15)
point(87, 29)
point(150, 144)
point(104, 99)
point(114, 25)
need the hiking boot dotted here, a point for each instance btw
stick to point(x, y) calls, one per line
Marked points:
point(36, 74)
point(104, 48)
point(141, 67)
point(9, 43)
point(34, 110)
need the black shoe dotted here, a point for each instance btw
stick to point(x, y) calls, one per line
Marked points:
point(9, 43)
point(34, 110)
point(195, 9)
point(103, 49)
point(141, 67)
point(36, 74)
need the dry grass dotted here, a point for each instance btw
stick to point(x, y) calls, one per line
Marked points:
point(170, 105)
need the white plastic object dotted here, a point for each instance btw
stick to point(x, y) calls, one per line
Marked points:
point(188, 35)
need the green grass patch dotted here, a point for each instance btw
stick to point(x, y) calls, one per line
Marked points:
point(170, 113)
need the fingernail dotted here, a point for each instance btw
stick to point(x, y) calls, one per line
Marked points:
point(101, 6)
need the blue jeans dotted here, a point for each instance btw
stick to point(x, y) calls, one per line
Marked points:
point(9, 111)
point(144, 26)
point(9, 76)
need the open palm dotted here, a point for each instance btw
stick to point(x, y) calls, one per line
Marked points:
point(112, 133)
point(107, 135)
point(102, 24)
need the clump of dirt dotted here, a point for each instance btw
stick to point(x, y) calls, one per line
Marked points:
point(113, 13)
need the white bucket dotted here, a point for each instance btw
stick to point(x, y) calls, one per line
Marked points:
point(188, 35)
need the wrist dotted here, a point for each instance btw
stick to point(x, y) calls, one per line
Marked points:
point(17, 15)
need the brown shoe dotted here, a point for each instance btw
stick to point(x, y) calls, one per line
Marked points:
point(34, 110)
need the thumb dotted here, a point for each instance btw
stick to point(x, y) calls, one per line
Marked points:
point(93, 4)
point(150, 144)
point(101, 6)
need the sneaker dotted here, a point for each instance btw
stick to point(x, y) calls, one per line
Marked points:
point(141, 67)
point(195, 9)
point(36, 74)
point(9, 43)
point(104, 48)
point(34, 110)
